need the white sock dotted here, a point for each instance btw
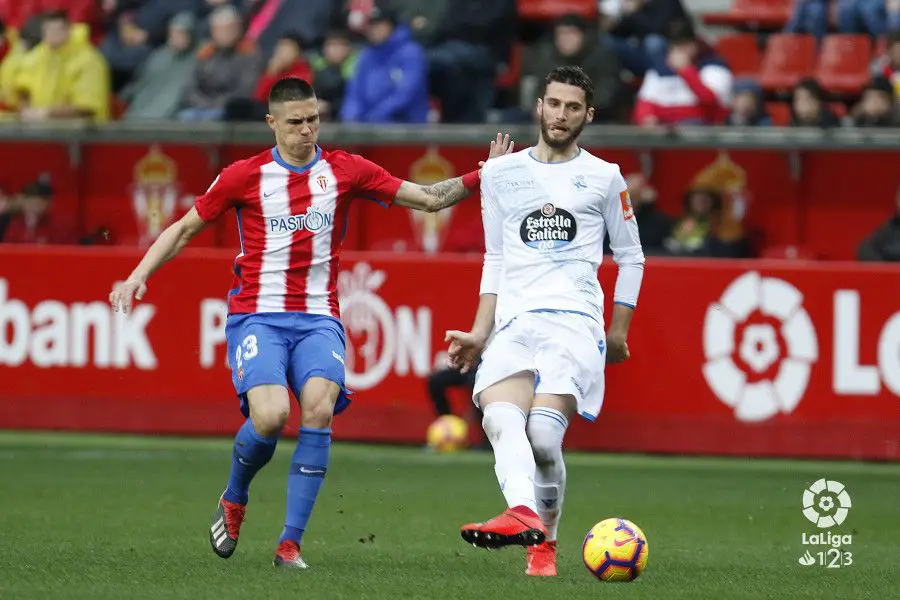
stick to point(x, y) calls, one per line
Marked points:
point(546, 429)
point(504, 424)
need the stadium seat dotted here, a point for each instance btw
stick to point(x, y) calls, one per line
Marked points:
point(741, 52)
point(753, 14)
point(838, 108)
point(788, 58)
point(844, 63)
point(880, 47)
point(548, 10)
point(780, 113)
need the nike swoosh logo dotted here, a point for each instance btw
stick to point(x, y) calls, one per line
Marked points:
point(243, 462)
point(269, 194)
point(309, 472)
point(623, 542)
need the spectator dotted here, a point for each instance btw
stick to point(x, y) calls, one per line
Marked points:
point(307, 18)
point(884, 244)
point(472, 41)
point(11, 66)
point(31, 220)
point(638, 32)
point(423, 18)
point(572, 47)
point(702, 209)
point(160, 82)
point(332, 69)
point(747, 107)
point(288, 61)
point(693, 87)
point(863, 16)
point(809, 17)
point(876, 108)
point(125, 47)
point(808, 106)
point(888, 65)
point(63, 77)
point(390, 85)
point(226, 68)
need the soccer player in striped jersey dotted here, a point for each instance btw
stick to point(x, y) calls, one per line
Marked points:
point(283, 329)
point(546, 210)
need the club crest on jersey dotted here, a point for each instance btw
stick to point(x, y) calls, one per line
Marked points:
point(548, 228)
point(322, 181)
point(579, 183)
point(313, 221)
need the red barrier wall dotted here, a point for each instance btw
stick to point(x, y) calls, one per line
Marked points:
point(748, 358)
point(829, 201)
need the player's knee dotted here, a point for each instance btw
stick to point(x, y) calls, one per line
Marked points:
point(317, 402)
point(545, 445)
point(500, 417)
point(270, 407)
point(270, 419)
point(318, 413)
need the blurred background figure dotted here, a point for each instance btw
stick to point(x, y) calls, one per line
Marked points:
point(692, 86)
point(63, 77)
point(226, 68)
point(748, 105)
point(884, 244)
point(160, 83)
point(808, 108)
point(573, 42)
point(390, 84)
point(332, 69)
point(29, 219)
point(877, 107)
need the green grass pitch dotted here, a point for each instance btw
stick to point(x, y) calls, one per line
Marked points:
point(106, 517)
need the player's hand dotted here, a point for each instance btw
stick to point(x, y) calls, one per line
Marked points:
point(465, 349)
point(616, 349)
point(125, 292)
point(502, 145)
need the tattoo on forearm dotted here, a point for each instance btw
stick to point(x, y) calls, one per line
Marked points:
point(447, 193)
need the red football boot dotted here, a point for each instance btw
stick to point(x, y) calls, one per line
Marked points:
point(288, 556)
point(542, 560)
point(226, 526)
point(518, 526)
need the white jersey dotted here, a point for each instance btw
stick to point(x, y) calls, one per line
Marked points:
point(544, 226)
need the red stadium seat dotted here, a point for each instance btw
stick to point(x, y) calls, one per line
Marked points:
point(838, 108)
point(844, 63)
point(880, 47)
point(780, 112)
point(549, 10)
point(757, 14)
point(788, 59)
point(741, 52)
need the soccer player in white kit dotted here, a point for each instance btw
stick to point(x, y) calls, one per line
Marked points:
point(545, 211)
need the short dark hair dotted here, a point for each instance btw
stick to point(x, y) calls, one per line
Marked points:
point(572, 76)
point(291, 89)
point(55, 15)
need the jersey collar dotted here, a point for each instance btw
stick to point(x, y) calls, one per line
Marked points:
point(299, 170)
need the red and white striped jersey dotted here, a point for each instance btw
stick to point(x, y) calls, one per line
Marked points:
point(291, 222)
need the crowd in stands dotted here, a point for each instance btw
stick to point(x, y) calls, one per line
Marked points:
point(456, 61)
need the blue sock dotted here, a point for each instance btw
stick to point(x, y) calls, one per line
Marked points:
point(308, 468)
point(251, 453)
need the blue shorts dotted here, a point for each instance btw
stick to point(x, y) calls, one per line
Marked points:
point(285, 349)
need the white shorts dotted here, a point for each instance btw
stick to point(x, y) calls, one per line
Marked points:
point(566, 352)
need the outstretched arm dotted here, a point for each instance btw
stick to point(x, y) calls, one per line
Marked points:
point(444, 194)
point(166, 247)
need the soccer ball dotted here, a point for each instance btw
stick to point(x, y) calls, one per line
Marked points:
point(615, 550)
point(448, 433)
